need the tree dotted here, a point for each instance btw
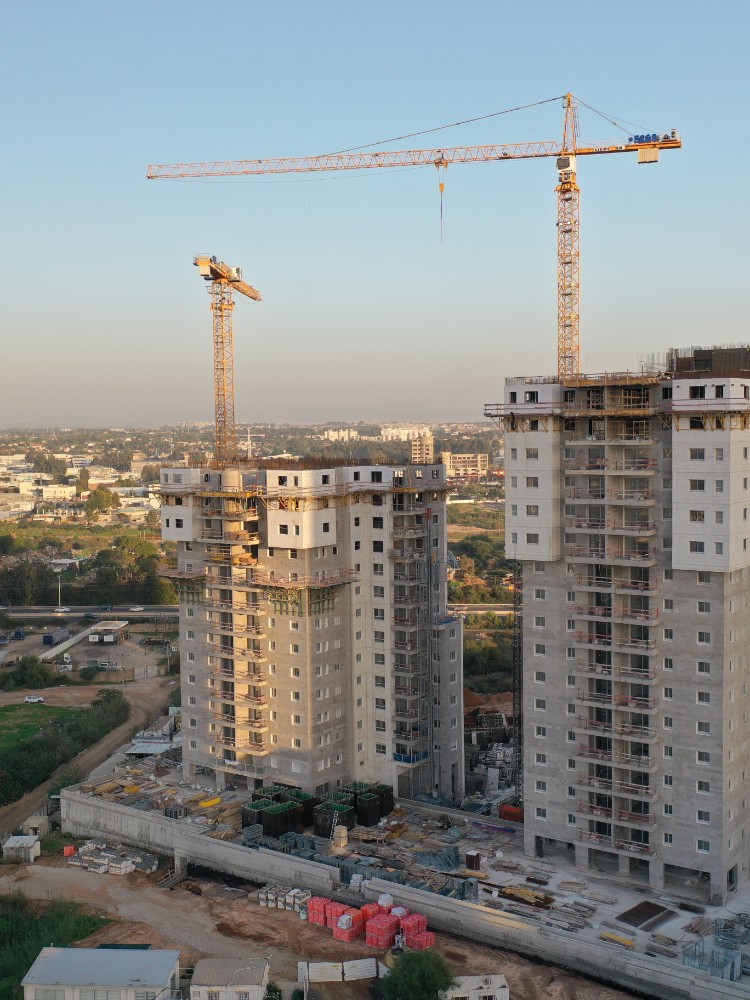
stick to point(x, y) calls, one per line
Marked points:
point(417, 975)
point(101, 499)
point(83, 482)
point(152, 521)
point(150, 474)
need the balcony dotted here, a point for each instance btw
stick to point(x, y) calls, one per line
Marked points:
point(634, 497)
point(596, 839)
point(624, 557)
point(236, 766)
point(228, 741)
point(630, 529)
point(254, 725)
point(237, 607)
point(642, 820)
point(633, 675)
point(640, 645)
point(593, 582)
point(635, 732)
point(635, 466)
point(623, 613)
point(408, 530)
point(589, 523)
point(582, 553)
point(407, 555)
point(587, 781)
point(592, 725)
point(605, 812)
point(585, 495)
point(591, 639)
point(226, 557)
point(635, 586)
point(628, 701)
point(596, 755)
point(407, 623)
point(626, 789)
point(632, 847)
point(599, 669)
point(406, 692)
point(593, 697)
point(593, 611)
point(401, 575)
point(228, 628)
point(407, 714)
point(173, 572)
point(635, 762)
point(411, 758)
point(296, 582)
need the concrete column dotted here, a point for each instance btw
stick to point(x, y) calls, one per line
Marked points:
point(188, 771)
point(582, 856)
point(656, 874)
point(623, 864)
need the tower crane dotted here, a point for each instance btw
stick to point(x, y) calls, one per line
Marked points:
point(565, 150)
point(224, 281)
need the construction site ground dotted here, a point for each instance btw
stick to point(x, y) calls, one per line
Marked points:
point(584, 904)
point(205, 918)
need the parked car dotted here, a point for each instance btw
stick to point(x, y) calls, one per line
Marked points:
point(33, 699)
point(62, 611)
point(137, 608)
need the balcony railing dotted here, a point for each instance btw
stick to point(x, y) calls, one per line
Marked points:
point(631, 496)
point(587, 781)
point(173, 572)
point(638, 732)
point(296, 582)
point(627, 788)
point(597, 839)
point(236, 607)
point(595, 753)
point(628, 701)
point(633, 847)
point(634, 761)
point(592, 810)
point(635, 819)
point(593, 725)
point(597, 697)
point(601, 669)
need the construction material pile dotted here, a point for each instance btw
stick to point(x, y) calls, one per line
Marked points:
point(98, 856)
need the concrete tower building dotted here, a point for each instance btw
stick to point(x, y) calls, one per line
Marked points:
point(315, 641)
point(627, 504)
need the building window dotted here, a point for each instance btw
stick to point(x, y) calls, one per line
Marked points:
point(697, 546)
point(702, 846)
point(697, 454)
point(540, 704)
point(719, 548)
point(377, 547)
point(702, 816)
point(668, 809)
point(668, 633)
point(702, 757)
point(719, 484)
point(668, 839)
point(703, 787)
point(704, 576)
point(704, 667)
point(668, 663)
point(541, 812)
point(540, 732)
point(540, 649)
point(532, 539)
point(667, 751)
point(703, 728)
point(532, 482)
point(703, 698)
point(667, 780)
point(380, 748)
point(698, 516)
point(667, 721)
point(540, 677)
point(541, 759)
point(704, 638)
point(697, 485)
point(532, 510)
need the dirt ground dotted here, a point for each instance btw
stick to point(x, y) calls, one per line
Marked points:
point(215, 921)
point(146, 697)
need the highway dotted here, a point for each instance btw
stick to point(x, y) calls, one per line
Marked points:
point(78, 611)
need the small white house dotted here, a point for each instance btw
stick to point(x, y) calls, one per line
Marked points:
point(229, 979)
point(23, 850)
point(91, 973)
point(489, 986)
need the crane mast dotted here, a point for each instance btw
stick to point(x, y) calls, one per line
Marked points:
point(224, 281)
point(566, 152)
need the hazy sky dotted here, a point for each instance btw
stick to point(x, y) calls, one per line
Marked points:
point(366, 314)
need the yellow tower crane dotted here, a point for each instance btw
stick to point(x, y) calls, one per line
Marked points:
point(568, 193)
point(224, 281)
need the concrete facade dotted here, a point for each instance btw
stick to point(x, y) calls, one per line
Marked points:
point(316, 644)
point(627, 503)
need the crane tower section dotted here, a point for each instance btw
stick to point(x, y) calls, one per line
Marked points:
point(224, 281)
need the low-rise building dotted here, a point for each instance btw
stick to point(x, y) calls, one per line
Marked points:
point(23, 850)
point(464, 466)
point(85, 973)
point(485, 987)
point(229, 979)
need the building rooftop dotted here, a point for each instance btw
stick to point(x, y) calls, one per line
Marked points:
point(230, 972)
point(95, 967)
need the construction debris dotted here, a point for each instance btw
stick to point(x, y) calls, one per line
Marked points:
point(98, 856)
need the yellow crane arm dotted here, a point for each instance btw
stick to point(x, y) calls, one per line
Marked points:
point(409, 157)
point(216, 270)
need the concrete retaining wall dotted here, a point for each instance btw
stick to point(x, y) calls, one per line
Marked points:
point(84, 815)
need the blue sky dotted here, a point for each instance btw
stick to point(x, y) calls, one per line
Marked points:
point(366, 314)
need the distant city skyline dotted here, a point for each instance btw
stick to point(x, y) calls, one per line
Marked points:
point(369, 304)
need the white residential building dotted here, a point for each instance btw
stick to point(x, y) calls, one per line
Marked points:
point(627, 502)
point(316, 645)
point(229, 979)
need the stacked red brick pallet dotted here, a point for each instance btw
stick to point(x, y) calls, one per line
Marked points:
point(375, 921)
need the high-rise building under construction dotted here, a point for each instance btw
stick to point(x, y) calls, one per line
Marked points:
point(627, 505)
point(315, 642)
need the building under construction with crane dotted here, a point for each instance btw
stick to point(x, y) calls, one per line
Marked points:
point(317, 648)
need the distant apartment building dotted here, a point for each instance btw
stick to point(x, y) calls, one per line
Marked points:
point(403, 432)
point(316, 644)
point(627, 502)
point(340, 434)
point(423, 450)
point(464, 466)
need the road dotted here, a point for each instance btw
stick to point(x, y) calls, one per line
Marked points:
point(78, 610)
point(147, 697)
point(479, 609)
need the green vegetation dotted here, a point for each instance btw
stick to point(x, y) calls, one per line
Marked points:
point(417, 975)
point(101, 500)
point(482, 568)
point(476, 517)
point(18, 723)
point(488, 662)
point(31, 761)
point(31, 673)
point(121, 570)
point(26, 928)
